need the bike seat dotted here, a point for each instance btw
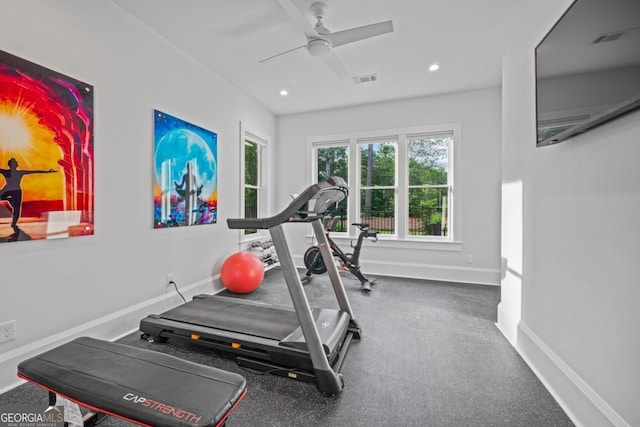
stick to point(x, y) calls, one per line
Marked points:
point(361, 224)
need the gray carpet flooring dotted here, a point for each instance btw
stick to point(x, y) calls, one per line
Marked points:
point(430, 355)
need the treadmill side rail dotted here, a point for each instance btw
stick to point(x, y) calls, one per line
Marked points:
point(332, 271)
point(332, 326)
point(299, 299)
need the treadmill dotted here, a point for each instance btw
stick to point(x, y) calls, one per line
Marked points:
point(297, 342)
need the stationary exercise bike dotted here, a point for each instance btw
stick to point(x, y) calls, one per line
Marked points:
point(348, 261)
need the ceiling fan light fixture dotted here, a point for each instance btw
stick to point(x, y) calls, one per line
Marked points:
point(319, 47)
point(320, 42)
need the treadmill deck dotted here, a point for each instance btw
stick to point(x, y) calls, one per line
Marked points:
point(258, 319)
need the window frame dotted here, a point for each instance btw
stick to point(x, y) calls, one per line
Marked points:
point(315, 172)
point(392, 139)
point(261, 145)
point(449, 185)
point(401, 188)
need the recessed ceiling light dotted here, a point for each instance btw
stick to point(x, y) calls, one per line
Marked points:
point(433, 67)
point(284, 92)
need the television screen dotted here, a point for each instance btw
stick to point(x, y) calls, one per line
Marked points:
point(587, 68)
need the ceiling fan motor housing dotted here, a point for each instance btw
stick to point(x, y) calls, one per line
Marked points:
point(319, 47)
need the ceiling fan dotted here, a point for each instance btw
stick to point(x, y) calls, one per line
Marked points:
point(321, 41)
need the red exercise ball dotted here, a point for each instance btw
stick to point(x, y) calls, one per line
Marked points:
point(242, 272)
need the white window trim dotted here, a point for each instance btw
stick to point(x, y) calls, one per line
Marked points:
point(402, 178)
point(263, 144)
point(453, 147)
point(314, 172)
point(383, 139)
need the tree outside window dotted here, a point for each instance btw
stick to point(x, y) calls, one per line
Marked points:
point(429, 187)
point(378, 185)
point(252, 184)
point(402, 179)
point(334, 161)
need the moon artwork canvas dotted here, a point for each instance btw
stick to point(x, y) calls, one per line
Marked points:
point(185, 190)
point(46, 153)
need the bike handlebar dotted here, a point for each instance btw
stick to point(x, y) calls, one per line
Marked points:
point(373, 234)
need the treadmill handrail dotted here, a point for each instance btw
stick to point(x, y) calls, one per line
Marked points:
point(326, 194)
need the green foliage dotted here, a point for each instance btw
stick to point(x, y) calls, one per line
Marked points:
point(420, 174)
point(250, 163)
point(428, 165)
point(378, 164)
point(435, 218)
point(429, 152)
point(332, 161)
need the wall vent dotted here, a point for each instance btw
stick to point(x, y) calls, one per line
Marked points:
point(609, 37)
point(365, 79)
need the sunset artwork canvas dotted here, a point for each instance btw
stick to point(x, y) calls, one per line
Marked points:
point(46, 153)
point(185, 187)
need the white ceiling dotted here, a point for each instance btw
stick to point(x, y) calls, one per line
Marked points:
point(231, 36)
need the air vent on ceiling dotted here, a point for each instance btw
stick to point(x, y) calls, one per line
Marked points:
point(365, 79)
point(609, 37)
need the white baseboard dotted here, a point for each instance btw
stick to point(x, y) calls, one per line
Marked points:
point(581, 403)
point(507, 324)
point(447, 273)
point(110, 327)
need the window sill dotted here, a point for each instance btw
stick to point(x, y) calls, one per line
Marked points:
point(426, 243)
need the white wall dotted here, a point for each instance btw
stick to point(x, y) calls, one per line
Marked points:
point(102, 285)
point(570, 293)
point(478, 182)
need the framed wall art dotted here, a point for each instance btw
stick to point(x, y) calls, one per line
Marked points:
point(185, 189)
point(46, 153)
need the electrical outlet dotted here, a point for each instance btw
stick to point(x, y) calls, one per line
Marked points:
point(8, 331)
point(469, 259)
point(169, 277)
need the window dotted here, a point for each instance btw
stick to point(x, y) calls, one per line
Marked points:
point(332, 159)
point(402, 179)
point(378, 184)
point(428, 164)
point(252, 152)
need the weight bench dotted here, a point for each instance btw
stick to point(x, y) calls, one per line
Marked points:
point(140, 386)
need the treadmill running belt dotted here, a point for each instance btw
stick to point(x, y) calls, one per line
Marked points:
point(224, 313)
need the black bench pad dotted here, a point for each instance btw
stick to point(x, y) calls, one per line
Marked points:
point(142, 386)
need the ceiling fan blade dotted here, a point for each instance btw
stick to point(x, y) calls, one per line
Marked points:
point(262, 61)
point(360, 33)
point(333, 62)
point(297, 17)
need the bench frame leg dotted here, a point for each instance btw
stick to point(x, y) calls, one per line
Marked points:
point(89, 419)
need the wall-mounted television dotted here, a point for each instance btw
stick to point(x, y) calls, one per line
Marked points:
point(587, 68)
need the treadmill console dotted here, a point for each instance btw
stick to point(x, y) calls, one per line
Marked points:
point(324, 198)
point(316, 201)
